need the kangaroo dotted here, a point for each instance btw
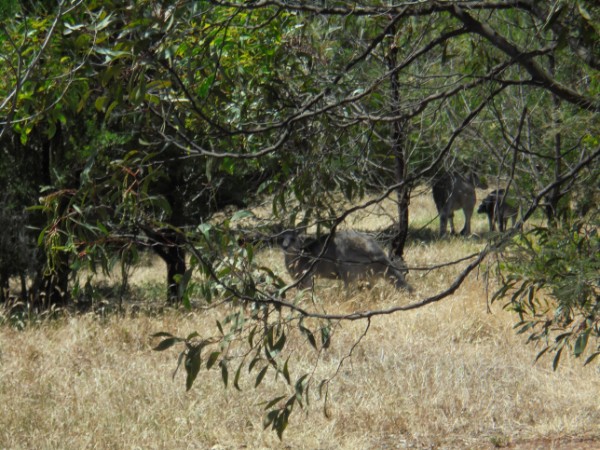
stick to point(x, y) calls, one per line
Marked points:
point(451, 192)
point(349, 255)
point(498, 210)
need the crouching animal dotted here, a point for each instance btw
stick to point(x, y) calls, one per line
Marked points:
point(451, 192)
point(347, 255)
point(498, 210)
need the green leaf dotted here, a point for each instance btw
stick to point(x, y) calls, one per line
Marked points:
point(591, 358)
point(281, 422)
point(557, 359)
point(581, 343)
point(253, 363)
point(100, 103)
point(104, 23)
point(563, 336)
point(300, 385)
point(212, 359)
point(205, 229)
point(241, 214)
point(236, 379)
point(251, 336)
point(310, 336)
point(167, 343)
point(540, 354)
point(224, 372)
point(286, 371)
point(102, 228)
point(228, 165)
point(278, 346)
point(204, 88)
point(159, 84)
point(191, 336)
point(111, 107)
point(162, 334)
point(325, 336)
point(192, 367)
point(584, 12)
point(111, 54)
point(270, 418)
point(260, 376)
point(274, 401)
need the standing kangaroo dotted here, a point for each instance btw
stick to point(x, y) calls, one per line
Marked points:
point(451, 192)
point(348, 255)
point(498, 210)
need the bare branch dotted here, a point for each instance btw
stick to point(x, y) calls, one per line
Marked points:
point(413, 8)
point(563, 179)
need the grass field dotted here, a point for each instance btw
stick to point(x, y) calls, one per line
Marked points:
point(450, 375)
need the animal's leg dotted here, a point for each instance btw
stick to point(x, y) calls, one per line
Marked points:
point(444, 224)
point(491, 221)
point(466, 231)
point(502, 223)
point(450, 219)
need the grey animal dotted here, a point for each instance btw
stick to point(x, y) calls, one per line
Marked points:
point(348, 255)
point(498, 210)
point(451, 192)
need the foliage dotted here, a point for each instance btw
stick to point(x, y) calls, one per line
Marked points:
point(553, 284)
point(259, 352)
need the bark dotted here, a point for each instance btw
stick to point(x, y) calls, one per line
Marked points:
point(52, 285)
point(174, 258)
point(399, 130)
point(552, 209)
point(55, 286)
point(168, 244)
point(3, 288)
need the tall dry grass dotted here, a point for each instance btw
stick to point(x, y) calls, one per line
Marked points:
point(451, 375)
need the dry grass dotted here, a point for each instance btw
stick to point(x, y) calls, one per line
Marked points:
point(451, 375)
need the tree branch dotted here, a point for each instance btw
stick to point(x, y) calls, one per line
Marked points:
point(525, 60)
point(582, 51)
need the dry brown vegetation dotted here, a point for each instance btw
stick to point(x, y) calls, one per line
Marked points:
point(451, 375)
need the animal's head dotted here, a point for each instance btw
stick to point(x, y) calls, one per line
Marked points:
point(483, 208)
point(289, 239)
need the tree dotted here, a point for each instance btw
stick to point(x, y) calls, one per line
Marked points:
point(306, 103)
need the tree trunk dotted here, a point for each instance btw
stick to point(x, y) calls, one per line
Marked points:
point(176, 267)
point(399, 131)
point(55, 286)
point(402, 192)
point(3, 288)
point(168, 244)
point(52, 285)
point(552, 209)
